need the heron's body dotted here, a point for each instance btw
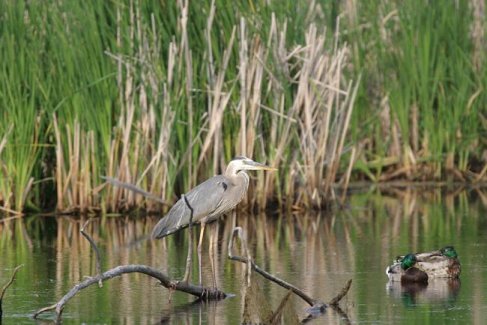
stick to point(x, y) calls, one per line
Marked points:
point(208, 201)
point(441, 263)
point(207, 205)
point(203, 204)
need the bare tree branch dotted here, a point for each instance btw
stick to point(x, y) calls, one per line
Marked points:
point(317, 307)
point(282, 283)
point(95, 248)
point(336, 300)
point(198, 291)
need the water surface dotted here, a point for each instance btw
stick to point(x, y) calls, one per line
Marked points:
point(317, 252)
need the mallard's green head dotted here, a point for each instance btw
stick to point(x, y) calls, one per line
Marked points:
point(408, 261)
point(449, 252)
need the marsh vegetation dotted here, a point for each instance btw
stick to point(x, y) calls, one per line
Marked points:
point(164, 94)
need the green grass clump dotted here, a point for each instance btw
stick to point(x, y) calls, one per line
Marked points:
point(425, 95)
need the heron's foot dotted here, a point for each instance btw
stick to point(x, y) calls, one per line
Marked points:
point(173, 285)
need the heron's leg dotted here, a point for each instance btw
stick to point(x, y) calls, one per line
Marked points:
point(213, 251)
point(200, 244)
point(189, 258)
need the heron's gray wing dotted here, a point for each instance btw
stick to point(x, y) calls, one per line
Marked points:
point(204, 199)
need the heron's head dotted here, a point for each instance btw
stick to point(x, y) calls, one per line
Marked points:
point(449, 252)
point(244, 163)
point(408, 261)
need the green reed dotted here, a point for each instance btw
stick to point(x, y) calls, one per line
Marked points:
point(424, 93)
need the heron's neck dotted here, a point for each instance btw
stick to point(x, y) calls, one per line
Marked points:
point(237, 175)
point(232, 170)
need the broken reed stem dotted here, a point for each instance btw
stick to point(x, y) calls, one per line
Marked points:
point(282, 283)
point(198, 291)
point(10, 211)
point(95, 248)
point(5, 287)
point(133, 188)
point(189, 258)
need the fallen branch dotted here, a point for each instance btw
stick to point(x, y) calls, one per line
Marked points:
point(184, 286)
point(336, 300)
point(5, 287)
point(282, 283)
point(198, 291)
point(95, 248)
point(316, 305)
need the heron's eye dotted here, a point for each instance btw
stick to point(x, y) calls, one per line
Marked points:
point(224, 186)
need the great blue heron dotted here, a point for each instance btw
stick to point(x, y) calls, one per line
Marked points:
point(209, 200)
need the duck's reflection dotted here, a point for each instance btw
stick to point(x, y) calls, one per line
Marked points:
point(436, 291)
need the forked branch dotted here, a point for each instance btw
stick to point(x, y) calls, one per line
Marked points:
point(316, 305)
point(164, 280)
point(95, 248)
point(197, 291)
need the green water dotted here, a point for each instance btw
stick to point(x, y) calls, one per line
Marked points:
point(318, 252)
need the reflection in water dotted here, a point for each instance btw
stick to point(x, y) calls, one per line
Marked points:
point(257, 309)
point(437, 291)
point(186, 311)
point(316, 252)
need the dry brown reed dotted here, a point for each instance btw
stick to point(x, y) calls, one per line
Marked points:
point(315, 120)
point(308, 129)
point(138, 149)
point(477, 33)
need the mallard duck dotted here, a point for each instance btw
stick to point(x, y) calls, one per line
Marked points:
point(407, 271)
point(442, 263)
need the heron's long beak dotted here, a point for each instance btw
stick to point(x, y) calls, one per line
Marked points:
point(253, 165)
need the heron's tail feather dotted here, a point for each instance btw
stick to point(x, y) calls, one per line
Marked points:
point(176, 219)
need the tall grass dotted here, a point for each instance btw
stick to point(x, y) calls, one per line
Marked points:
point(21, 103)
point(164, 95)
point(425, 90)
